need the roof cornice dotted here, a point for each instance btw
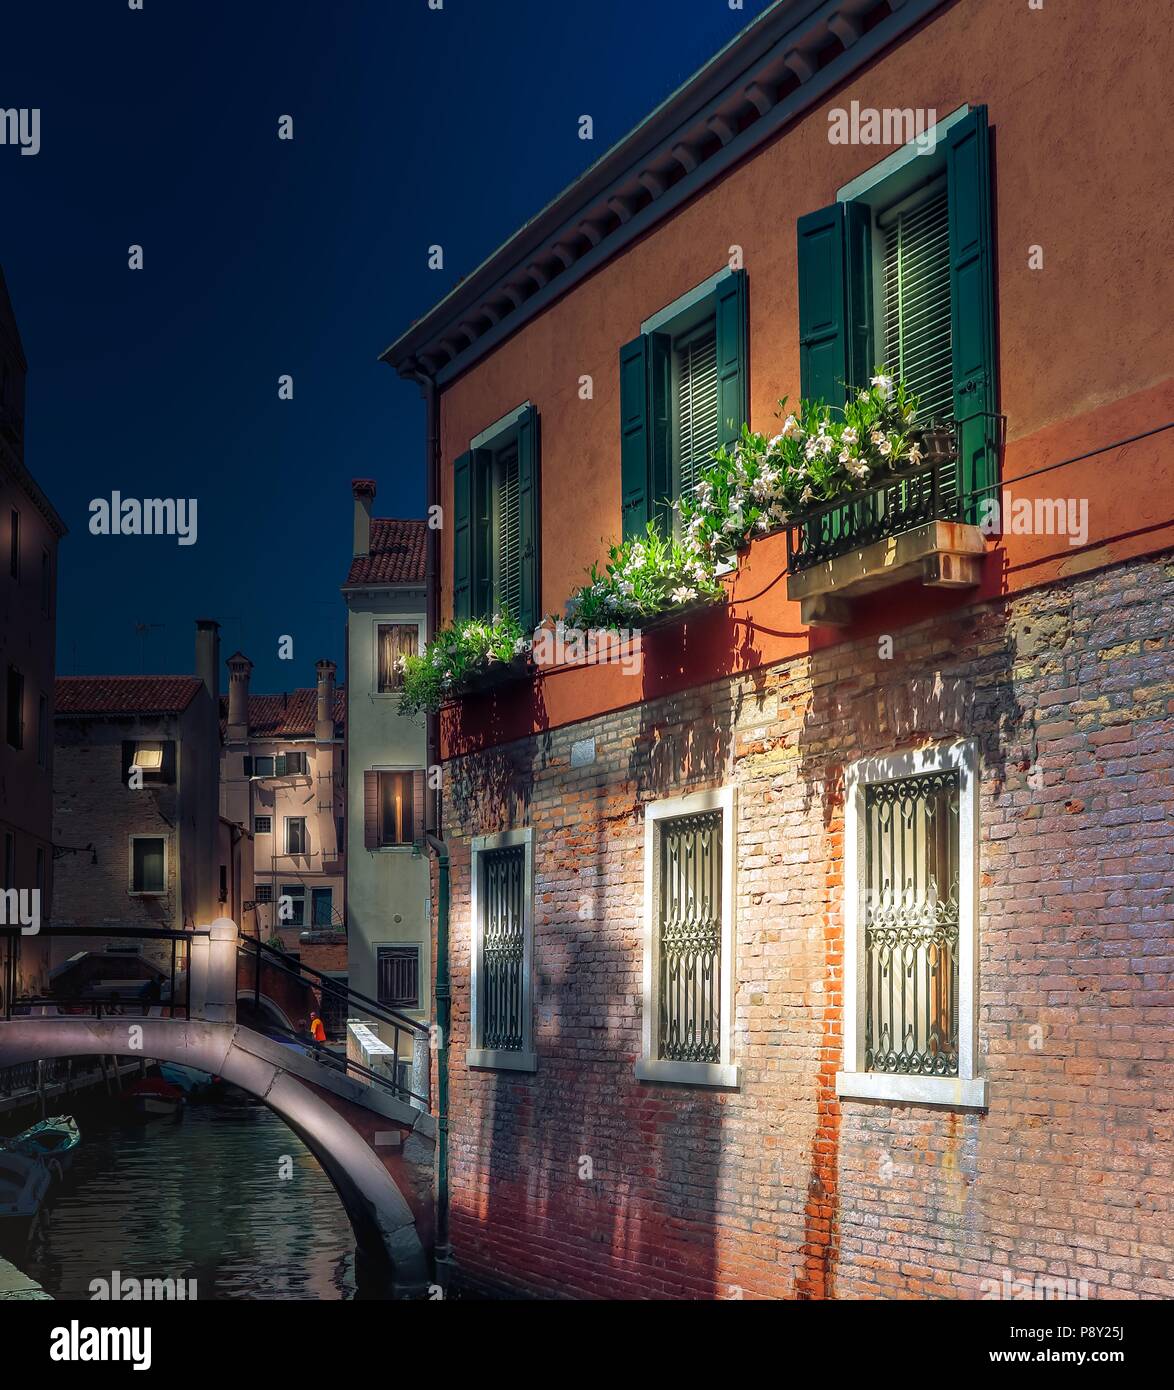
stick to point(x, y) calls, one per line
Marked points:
point(777, 68)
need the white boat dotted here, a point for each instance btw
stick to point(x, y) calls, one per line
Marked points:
point(23, 1184)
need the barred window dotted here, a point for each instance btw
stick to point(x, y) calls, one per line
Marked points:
point(502, 884)
point(911, 873)
point(399, 976)
point(689, 940)
point(911, 925)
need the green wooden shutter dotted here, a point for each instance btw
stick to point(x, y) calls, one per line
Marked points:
point(529, 520)
point(481, 534)
point(972, 313)
point(917, 302)
point(823, 337)
point(730, 312)
point(462, 546)
point(660, 429)
point(858, 286)
point(635, 436)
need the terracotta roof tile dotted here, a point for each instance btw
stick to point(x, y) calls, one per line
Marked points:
point(286, 716)
point(77, 695)
point(397, 554)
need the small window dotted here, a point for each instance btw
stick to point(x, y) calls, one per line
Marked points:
point(263, 825)
point(292, 911)
point(502, 882)
point(295, 765)
point(154, 760)
point(322, 907)
point(263, 893)
point(395, 808)
point(148, 864)
point(14, 545)
point(910, 901)
point(689, 940)
point(399, 976)
point(262, 767)
point(14, 720)
point(149, 756)
point(395, 641)
point(42, 732)
point(295, 835)
point(46, 584)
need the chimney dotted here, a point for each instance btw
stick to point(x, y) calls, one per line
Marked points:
point(208, 656)
point(324, 726)
point(239, 668)
point(364, 493)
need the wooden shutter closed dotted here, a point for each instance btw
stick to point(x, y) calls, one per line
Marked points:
point(634, 436)
point(418, 809)
point(462, 523)
point(731, 324)
point(371, 810)
point(529, 528)
point(835, 302)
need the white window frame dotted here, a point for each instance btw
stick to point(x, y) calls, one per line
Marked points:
point(498, 1059)
point(650, 1067)
point(130, 883)
point(967, 1090)
point(296, 853)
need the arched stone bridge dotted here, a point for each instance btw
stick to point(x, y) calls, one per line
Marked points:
point(376, 1148)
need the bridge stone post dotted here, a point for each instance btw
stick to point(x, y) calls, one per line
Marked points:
point(213, 966)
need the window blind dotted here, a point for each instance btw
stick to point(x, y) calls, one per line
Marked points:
point(697, 407)
point(917, 302)
point(508, 588)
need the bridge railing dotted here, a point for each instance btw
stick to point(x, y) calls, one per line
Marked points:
point(136, 971)
point(408, 1048)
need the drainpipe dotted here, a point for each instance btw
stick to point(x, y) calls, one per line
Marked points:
point(443, 1253)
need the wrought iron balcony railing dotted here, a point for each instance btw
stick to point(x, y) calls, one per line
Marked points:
point(889, 508)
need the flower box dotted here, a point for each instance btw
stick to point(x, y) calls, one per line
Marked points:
point(493, 675)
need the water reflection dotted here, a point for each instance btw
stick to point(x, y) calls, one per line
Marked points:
point(226, 1195)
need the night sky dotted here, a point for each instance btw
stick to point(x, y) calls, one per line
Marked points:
point(265, 257)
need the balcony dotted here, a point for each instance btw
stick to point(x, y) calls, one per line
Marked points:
point(907, 527)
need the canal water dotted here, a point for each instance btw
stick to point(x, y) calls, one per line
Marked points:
point(226, 1195)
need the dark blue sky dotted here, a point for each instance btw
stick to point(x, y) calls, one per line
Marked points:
point(265, 257)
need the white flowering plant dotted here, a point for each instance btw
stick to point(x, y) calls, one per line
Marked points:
point(758, 483)
point(456, 656)
point(644, 577)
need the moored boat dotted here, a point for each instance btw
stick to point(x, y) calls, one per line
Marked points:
point(23, 1184)
point(54, 1141)
point(153, 1098)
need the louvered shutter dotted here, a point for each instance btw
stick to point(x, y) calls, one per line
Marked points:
point(418, 809)
point(917, 302)
point(732, 325)
point(506, 547)
point(370, 810)
point(462, 553)
point(529, 522)
point(635, 436)
point(697, 406)
point(972, 311)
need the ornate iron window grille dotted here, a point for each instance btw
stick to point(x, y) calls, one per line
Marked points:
point(690, 939)
point(911, 924)
point(503, 949)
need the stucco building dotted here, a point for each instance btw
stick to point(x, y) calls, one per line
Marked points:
point(30, 530)
point(835, 936)
point(389, 936)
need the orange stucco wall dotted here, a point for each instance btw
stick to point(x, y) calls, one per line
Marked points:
point(1084, 344)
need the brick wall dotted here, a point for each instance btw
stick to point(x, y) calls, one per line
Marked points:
point(779, 1189)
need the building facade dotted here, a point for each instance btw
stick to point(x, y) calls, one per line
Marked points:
point(824, 951)
point(137, 823)
point(30, 530)
point(283, 778)
point(389, 936)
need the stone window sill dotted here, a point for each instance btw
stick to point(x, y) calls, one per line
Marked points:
point(688, 1073)
point(956, 1092)
point(490, 1059)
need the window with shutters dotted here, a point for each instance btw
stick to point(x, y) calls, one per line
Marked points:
point(393, 641)
point(501, 869)
point(395, 808)
point(689, 940)
point(683, 393)
point(496, 531)
point(911, 883)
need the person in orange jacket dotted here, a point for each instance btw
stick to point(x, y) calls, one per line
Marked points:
point(317, 1028)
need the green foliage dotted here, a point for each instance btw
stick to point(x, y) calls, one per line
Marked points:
point(456, 655)
point(643, 577)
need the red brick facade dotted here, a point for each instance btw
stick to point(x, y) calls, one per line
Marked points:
point(780, 1189)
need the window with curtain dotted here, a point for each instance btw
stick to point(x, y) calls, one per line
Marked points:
point(394, 642)
point(395, 804)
